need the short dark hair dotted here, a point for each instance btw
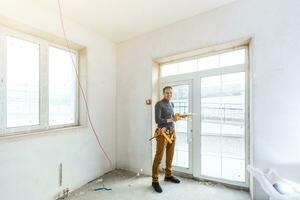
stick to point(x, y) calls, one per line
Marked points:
point(166, 88)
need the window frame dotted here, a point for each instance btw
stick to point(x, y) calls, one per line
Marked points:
point(76, 121)
point(214, 53)
point(43, 84)
point(195, 77)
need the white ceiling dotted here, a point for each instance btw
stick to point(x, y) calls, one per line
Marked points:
point(121, 20)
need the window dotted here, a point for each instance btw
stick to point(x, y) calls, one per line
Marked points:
point(62, 87)
point(38, 88)
point(187, 66)
point(22, 82)
point(209, 62)
point(169, 69)
point(231, 58)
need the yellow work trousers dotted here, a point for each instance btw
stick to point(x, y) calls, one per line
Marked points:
point(163, 145)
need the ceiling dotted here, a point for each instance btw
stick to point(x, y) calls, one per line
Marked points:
point(121, 20)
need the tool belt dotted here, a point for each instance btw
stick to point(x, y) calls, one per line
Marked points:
point(167, 133)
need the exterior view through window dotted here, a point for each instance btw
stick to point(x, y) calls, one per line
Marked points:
point(62, 87)
point(22, 82)
point(38, 89)
point(213, 143)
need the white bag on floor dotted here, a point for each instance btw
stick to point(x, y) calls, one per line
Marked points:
point(276, 187)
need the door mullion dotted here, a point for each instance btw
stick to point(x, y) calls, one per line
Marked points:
point(2, 51)
point(3, 69)
point(197, 127)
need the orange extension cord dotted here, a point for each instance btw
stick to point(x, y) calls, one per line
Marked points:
point(80, 87)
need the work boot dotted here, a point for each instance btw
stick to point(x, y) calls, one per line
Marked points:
point(157, 187)
point(172, 179)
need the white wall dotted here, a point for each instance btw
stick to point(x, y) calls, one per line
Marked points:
point(275, 28)
point(29, 165)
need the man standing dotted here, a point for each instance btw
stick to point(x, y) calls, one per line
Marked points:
point(165, 118)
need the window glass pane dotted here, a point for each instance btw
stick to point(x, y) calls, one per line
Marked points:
point(181, 105)
point(22, 83)
point(187, 66)
point(209, 128)
point(233, 169)
point(62, 87)
point(233, 147)
point(234, 85)
point(223, 126)
point(232, 129)
point(169, 69)
point(211, 145)
point(233, 90)
point(211, 90)
point(209, 62)
point(211, 166)
point(232, 58)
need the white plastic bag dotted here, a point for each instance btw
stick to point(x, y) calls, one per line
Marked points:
point(276, 187)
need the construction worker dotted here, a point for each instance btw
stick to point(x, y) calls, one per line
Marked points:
point(165, 138)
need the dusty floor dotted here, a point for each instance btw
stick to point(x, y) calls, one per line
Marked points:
point(126, 186)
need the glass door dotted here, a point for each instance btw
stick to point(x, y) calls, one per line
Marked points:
point(222, 131)
point(182, 99)
point(218, 95)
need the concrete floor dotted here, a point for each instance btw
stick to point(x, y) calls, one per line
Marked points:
point(126, 186)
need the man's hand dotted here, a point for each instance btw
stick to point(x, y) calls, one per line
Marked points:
point(176, 118)
point(170, 120)
point(181, 116)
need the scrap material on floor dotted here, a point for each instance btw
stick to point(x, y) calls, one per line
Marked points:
point(126, 188)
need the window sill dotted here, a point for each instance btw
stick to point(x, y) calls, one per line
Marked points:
point(39, 133)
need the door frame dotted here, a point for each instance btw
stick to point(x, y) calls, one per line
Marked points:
point(197, 136)
point(195, 78)
point(188, 82)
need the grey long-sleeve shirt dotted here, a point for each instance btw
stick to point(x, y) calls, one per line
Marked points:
point(164, 109)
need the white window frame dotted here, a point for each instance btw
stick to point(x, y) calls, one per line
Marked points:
point(196, 80)
point(43, 84)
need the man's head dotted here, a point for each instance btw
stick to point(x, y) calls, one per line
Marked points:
point(167, 92)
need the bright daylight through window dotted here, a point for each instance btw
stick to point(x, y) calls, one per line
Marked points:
point(39, 88)
point(231, 58)
point(22, 82)
point(62, 87)
point(214, 88)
